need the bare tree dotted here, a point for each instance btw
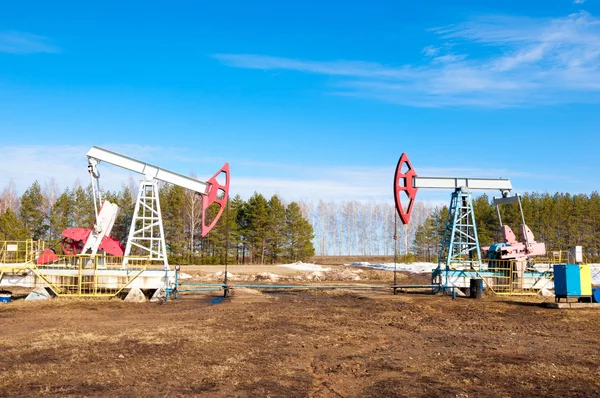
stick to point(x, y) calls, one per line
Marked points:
point(367, 228)
point(133, 186)
point(50, 192)
point(9, 198)
point(322, 210)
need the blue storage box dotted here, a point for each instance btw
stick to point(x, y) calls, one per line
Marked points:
point(566, 280)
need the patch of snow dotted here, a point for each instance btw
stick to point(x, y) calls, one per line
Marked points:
point(344, 274)
point(183, 275)
point(300, 266)
point(416, 268)
point(230, 277)
point(315, 276)
point(267, 276)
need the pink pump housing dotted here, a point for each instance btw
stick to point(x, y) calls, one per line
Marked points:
point(515, 249)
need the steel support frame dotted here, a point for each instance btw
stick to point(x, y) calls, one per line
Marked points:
point(460, 243)
point(147, 232)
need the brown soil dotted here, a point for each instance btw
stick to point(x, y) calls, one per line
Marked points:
point(299, 344)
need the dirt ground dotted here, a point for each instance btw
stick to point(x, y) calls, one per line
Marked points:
point(328, 343)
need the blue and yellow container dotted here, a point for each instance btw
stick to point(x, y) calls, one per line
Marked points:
point(572, 281)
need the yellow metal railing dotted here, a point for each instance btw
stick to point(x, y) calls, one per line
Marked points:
point(80, 275)
point(560, 257)
point(516, 277)
point(89, 275)
point(20, 252)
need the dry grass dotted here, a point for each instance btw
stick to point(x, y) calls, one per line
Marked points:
point(298, 344)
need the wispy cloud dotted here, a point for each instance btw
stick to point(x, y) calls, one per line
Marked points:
point(533, 62)
point(25, 43)
point(66, 164)
point(579, 1)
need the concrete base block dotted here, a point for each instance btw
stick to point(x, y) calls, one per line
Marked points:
point(571, 305)
point(135, 295)
point(159, 295)
point(41, 293)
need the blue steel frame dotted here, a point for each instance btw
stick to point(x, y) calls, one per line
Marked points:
point(460, 243)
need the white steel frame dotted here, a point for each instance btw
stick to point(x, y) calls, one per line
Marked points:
point(147, 233)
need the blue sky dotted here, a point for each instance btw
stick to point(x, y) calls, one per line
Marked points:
point(311, 99)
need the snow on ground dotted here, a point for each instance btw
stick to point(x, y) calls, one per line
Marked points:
point(312, 272)
point(300, 266)
point(417, 268)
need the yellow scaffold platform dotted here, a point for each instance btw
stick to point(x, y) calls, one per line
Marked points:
point(75, 275)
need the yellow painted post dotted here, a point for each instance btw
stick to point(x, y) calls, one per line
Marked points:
point(80, 265)
point(95, 275)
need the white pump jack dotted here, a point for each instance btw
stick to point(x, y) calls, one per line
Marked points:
point(146, 234)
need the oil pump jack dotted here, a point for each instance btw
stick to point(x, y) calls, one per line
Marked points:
point(460, 243)
point(510, 248)
point(146, 234)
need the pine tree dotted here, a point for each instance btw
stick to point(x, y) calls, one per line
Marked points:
point(235, 206)
point(172, 202)
point(11, 227)
point(486, 219)
point(243, 221)
point(428, 235)
point(61, 218)
point(126, 202)
point(276, 228)
point(213, 244)
point(83, 207)
point(257, 229)
point(32, 212)
point(299, 233)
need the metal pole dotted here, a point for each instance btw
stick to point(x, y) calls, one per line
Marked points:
point(395, 250)
point(176, 294)
point(96, 205)
point(226, 288)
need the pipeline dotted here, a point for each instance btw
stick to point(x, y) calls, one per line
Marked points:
point(263, 286)
point(202, 287)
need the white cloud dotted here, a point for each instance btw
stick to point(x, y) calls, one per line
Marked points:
point(578, 1)
point(431, 51)
point(335, 68)
point(25, 43)
point(66, 164)
point(533, 62)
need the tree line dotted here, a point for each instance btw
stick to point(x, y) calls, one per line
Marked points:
point(257, 230)
point(261, 230)
point(560, 220)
